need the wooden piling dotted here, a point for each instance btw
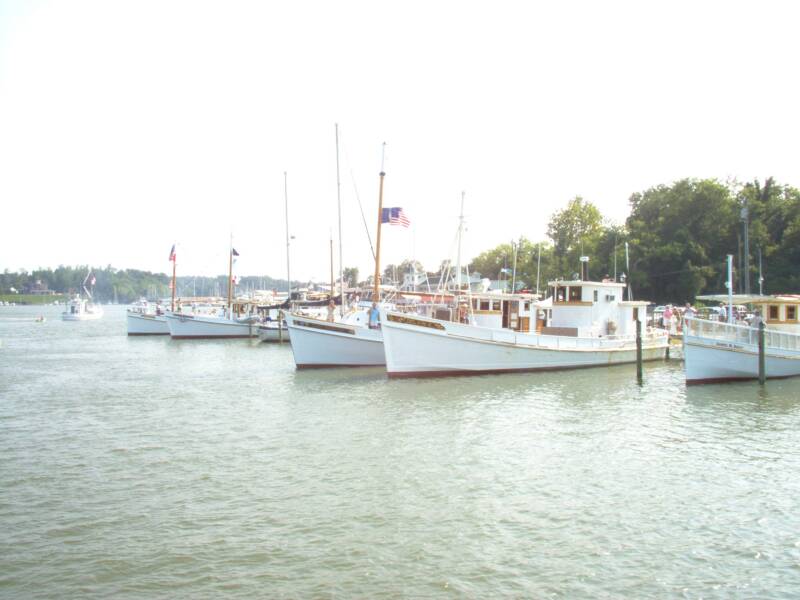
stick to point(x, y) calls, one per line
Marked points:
point(762, 371)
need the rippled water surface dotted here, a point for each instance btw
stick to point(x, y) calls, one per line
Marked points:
point(149, 467)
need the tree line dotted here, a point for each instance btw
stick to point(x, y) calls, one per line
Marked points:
point(678, 237)
point(126, 285)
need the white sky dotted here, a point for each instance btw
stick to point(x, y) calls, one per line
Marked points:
point(127, 126)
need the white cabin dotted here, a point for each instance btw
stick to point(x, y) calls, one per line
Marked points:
point(591, 309)
point(779, 312)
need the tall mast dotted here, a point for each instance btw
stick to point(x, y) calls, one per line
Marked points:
point(458, 254)
point(538, 267)
point(286, 212)
point(730, 288)
point(230, 279)
point(339, 203)
point(331, 296)
point(376, 293)
point(514, 268)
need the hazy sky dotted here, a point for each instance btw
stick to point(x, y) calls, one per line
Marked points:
point(128, 126)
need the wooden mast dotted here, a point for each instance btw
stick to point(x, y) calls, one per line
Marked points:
point(376, 293)
point(230, 279)
point(331, 295)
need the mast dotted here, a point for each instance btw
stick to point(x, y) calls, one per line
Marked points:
point(286, 212)
point(628, 267)
point(458, 255)
point(332, 281)
point(538, 268)
point(230, 279)
point(760, 275)
point(376, 293)
point(730, 289)
point(514, 268)
point(339, 203)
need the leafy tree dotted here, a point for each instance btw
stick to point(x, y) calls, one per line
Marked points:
point(574, 231)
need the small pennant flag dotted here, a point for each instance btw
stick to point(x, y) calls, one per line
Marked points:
point(172, 254)
point(394, 216)
point(234, 252)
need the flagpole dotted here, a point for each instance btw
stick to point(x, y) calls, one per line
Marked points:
point(376, 294)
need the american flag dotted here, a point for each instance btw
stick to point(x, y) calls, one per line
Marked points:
point(394, 216)
point(172, 253)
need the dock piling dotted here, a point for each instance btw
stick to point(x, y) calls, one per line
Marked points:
point(639, 377)
point(762, 371)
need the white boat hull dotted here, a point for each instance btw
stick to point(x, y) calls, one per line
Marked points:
point(82, 316)
point(730, 353)
point(199, 327)
point(317, 343)
point(272, 333)
point(143, 324)
point(441, 348)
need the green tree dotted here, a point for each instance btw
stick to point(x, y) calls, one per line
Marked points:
point(574, 231)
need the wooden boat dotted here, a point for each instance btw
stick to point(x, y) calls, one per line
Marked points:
point(583, 324)
point(715, 351)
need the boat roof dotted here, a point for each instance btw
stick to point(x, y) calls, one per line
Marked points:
point(752, 298)
point(587, 282)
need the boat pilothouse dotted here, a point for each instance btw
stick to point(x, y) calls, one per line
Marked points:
point(590, 309)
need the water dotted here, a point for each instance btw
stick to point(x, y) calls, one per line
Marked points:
point(149, 467)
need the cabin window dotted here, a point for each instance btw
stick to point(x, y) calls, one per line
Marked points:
point(595, 295)
point(575, 294)
point(484, 305)
point(773, 313)
point(635, 314)
point(496, 305)
point(527, 307)
point(558, 294)
point(791, 313)
point(476, 304)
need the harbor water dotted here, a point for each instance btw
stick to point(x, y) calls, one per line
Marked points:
point(157, 468)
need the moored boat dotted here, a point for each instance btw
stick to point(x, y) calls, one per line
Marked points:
point(714, 351)
point(349, 342)
point(583, 324)
point(145, 322)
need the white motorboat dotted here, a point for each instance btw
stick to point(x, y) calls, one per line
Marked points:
point(349, 342)
point(714, 351)
point(583, 324)
point(81, 308)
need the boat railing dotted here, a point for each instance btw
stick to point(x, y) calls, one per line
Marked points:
point(741, 334)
